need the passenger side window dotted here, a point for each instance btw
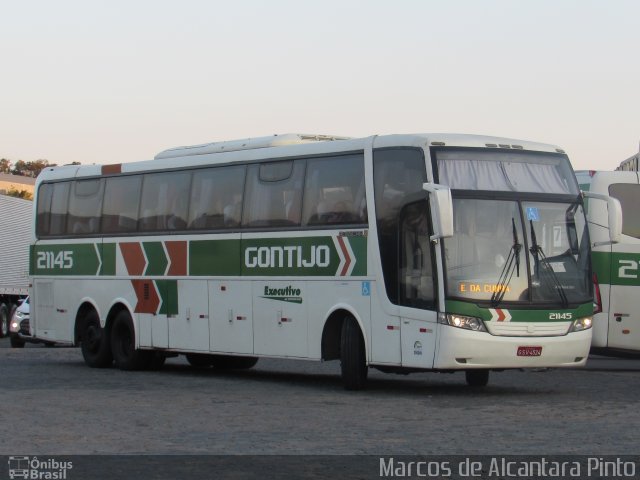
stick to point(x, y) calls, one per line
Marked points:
point(216, 198)
point(85, 207)
point(165, 201)
point(59, 204)
point(43, 216)
point(274, 192)
point(121, 199)
point(334, 191)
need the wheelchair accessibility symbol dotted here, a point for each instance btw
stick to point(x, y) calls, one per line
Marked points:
point(366, 289)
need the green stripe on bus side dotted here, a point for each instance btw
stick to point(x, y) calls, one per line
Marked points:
point(156, 258)
point(326, 255)
point(32, 256)
point(359, 247)
point(601, 265)
point(617, 268)
point(66, 259)
point(473, 310)
point(108, 257)
point(303, 256)
point(214, 257)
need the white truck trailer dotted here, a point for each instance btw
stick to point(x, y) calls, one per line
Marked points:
point(16, 217)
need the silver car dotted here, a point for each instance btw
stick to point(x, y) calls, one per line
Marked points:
point(19, 327)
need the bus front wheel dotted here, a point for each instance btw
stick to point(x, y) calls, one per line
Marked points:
point(353, 363)
point(477, 378)
point(94, 342)
point(123, 344)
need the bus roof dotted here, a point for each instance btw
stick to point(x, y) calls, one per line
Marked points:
point(246, 144)
point(288, 145)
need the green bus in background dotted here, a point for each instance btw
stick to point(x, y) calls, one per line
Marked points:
point(616, 266)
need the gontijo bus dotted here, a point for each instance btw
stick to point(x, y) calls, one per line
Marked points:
point(400, 252)
point(615, 266)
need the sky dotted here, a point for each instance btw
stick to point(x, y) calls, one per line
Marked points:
point(119, 81)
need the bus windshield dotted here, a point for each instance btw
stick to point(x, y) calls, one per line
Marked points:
point(518, 251)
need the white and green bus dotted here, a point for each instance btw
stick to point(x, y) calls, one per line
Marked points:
point(402, 253)
point(616, 267)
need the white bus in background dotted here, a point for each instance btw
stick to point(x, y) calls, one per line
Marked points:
point(616, 266)
point(403, 253)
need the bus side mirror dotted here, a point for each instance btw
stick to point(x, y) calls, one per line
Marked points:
point(614, 211)
point(442, 207)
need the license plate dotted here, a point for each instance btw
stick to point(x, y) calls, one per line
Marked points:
point(529, 351)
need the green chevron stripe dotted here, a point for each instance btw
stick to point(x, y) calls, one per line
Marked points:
point(108, 257)
point(156, 257)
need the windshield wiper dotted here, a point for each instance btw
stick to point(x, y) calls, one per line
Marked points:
point(546, 272)
point(512, 263)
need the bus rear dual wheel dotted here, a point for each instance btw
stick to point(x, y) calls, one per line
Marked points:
point(123, 346)
point(102, 347)
point(95, 342)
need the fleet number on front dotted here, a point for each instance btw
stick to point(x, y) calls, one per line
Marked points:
point(50, 260)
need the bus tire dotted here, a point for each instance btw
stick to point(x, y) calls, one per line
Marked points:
point(230, 362)
point(94, 342)
point(199, 360)
point(4, 321)
point(477, 378)
point(123, 344)
point(353, 363)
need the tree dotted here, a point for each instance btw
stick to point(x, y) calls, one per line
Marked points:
point(5, 165)
point(30, 169)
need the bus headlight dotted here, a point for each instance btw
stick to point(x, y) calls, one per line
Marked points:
point(580, 324)
point(462, 321)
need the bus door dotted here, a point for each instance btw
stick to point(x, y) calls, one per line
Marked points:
point(416, 287)
point(406, 256)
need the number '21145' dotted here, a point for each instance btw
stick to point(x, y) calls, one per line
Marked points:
point(49, 260)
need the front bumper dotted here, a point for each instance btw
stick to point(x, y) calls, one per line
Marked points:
point(465, 349)
point(19, 329)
